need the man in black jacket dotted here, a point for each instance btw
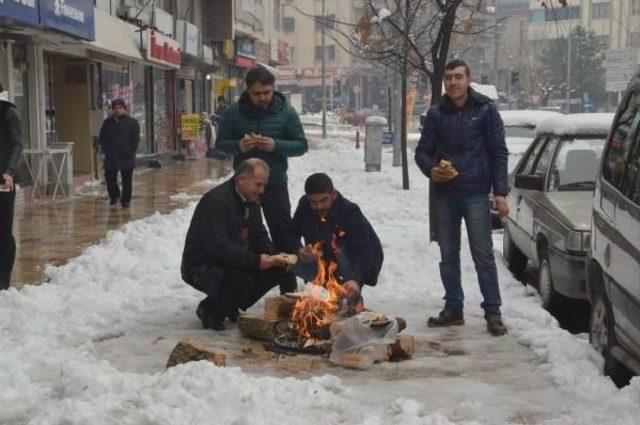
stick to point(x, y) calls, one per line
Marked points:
point(324, 216)
point(119, 140)
point(227, 249)
point(10, 150)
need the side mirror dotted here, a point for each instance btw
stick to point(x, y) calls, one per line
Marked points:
point(529, 182)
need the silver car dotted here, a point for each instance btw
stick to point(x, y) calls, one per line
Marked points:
point(551, 193)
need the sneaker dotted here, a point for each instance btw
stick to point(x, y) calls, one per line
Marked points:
point(445, 318)
point(210, 318)
point(495, 325)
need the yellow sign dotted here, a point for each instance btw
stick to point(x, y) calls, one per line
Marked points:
point(222, 86)
point(190, 126)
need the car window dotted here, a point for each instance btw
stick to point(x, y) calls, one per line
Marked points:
point(529, 162)
point(576, 164)
point(631, 184)
point(620, 145)
point(543, 164)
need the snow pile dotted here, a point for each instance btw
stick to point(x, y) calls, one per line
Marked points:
point(526, 118)
point(383, 14)
point(597, 124)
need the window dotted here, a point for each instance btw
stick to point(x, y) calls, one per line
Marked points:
point(600, 10)
point(527, 165)
point(328, 21)
point(625, 130)
point(635, 7)
point(576, 164)
point(289, 24)
point(330, 52)
point(544, 162)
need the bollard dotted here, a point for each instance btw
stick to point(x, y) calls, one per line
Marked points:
point(374, 127)
point(358, 139)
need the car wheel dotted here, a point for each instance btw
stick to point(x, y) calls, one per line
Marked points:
point(603, 338)
point(550, 298)
point(516, 260)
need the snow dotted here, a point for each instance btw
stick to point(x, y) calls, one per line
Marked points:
point(383, 14)
point(526, 118)
point(376, 120)
point(597, 124)
point(90, 346)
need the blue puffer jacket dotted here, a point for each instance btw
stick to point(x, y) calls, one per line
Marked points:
point(472, 138)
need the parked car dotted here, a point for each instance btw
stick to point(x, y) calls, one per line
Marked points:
point(520, 130)
point(613, 272)
point(550, 198)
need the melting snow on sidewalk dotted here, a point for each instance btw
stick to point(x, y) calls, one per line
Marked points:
point(90, 346)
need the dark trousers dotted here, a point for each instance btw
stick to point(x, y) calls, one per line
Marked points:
point(7, 241)
point(277, 211)
point(231, 289)
point(111, 176)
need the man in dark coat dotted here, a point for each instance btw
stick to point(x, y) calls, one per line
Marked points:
point(119, 140)
point(324, 216)
point(227, 249)
point(463, 150)
point(262, 125)
point(10, 150)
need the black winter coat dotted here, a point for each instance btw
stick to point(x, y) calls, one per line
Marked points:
point(359, 241)
point(215, 233)
point(472, 138)
point(119, 140)
point(10, 140)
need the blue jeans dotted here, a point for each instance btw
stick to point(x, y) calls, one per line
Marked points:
point(477, 216)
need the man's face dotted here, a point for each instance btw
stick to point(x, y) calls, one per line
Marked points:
point(456, 83)
point(321, 202)
point(119, 111)
point(260, 94)
point(252, 186)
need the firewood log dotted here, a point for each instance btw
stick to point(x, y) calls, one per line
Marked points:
point(403, 349)
point(278, 308)
point(191, 350)
point(254, 327)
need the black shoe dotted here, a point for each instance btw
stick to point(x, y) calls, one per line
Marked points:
point(125, 204)
point(445, 318)
point(495, 325)
point(233, 315)
point(210, 318)
point(4, 281)
point(113, 201)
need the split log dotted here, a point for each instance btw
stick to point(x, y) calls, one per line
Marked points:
point(298, 363)
point(278, 308)
point(255, 327)
point(403, 349)
point(191, 350)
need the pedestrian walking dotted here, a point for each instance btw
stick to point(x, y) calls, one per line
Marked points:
point(462, 150)
point(10, 151)
point(262, 125)
point(119, 140)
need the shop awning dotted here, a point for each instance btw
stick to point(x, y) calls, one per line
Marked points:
point(115, 37)
point(269, 68)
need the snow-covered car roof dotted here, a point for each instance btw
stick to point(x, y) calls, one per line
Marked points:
point(577, 125)
point(526, 117)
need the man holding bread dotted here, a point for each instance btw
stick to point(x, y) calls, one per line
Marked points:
point(463, 151)
point(262, 125)
point(227, 253)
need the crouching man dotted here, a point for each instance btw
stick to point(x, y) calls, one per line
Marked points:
point(336, 229)
point(226, 253)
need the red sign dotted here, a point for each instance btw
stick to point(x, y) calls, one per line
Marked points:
point(163, 49)
point(243, 62)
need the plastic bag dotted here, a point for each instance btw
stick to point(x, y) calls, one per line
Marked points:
point(358, 344)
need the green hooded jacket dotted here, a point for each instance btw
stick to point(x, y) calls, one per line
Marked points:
point(279, 122)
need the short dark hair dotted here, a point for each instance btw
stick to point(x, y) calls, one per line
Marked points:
point(318, 183)
point(248, 167)
point(457, 63)
point(260, 75)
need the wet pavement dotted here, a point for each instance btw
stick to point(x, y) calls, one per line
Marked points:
point(54, 232)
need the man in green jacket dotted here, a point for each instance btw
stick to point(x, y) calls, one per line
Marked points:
point(262, 125)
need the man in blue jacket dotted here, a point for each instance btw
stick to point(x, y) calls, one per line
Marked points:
point(463, 151)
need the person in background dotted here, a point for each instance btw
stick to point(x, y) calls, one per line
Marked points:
point(10, 151)
point(119, 139)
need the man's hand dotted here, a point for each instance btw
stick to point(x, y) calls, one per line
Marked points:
point(266, 262)
point(8, 182)
point(307, 254)
point(440, 175)
point(354, 303)
point(266, 144)
point(247, 143)
point(501, 205)
point(353, 288)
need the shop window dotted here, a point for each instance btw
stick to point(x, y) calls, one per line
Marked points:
point(330, 52)
point(619, 147)
point(138, 107)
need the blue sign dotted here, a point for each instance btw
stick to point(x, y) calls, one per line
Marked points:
point(21, 11)
point(246, 48)
point(74, 17)
point(387, 138)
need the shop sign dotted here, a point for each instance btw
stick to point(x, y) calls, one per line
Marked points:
point(188, 36)
point(190, 126)
point(21, 11)
point(273, 50)
point(242, 62)
point(187, 73)
point(246, 48)
point(73, 17)
point(207, 54)
point(162, 49)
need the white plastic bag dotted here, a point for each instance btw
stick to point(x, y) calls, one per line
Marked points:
point(358, 344)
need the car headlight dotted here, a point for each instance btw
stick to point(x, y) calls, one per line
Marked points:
point(578, 241)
